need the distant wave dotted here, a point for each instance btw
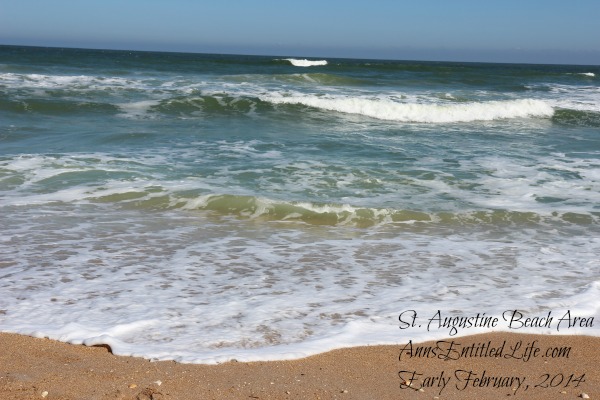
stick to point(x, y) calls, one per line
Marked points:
point(320, 79)
point(81, 82)
point(306, 63)
point(428, 113)
point(588, 74)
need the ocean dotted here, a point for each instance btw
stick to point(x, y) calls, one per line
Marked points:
point(202, 208)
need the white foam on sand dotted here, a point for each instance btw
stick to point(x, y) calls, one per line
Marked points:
point(181, 286)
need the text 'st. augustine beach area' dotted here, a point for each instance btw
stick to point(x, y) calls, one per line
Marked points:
point(207, 208)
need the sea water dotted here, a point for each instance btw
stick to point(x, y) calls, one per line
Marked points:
point(203, 208)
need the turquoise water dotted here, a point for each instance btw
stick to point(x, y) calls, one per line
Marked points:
point(204, 207)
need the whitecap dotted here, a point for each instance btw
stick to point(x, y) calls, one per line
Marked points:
point(306, 63)
point(386, 109)
point(138, 109)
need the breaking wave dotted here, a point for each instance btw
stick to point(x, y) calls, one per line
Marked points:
point(428, 113)
point(306, 63)
point(254, 207)
point(73, 82)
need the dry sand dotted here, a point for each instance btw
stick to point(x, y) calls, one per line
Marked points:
point(40, 368)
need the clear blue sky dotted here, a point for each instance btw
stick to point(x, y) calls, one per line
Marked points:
point(545, 31)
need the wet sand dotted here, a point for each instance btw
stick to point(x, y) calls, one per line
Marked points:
point(32, 368)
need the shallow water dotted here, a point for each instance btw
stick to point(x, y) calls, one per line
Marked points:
point(206, 207)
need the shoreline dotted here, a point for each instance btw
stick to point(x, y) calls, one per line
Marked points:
point(563, 366)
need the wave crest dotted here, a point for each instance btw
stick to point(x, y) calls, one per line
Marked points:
point(427, 113)
point(253, 207)
point(305, 63)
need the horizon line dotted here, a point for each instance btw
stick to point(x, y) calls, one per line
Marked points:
point(250, 54)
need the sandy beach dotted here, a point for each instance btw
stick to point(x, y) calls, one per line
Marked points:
point(488, 366)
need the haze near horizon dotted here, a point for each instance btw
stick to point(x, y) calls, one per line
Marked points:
point(433, 30)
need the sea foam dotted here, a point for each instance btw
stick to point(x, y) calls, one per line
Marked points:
point(183, 287)
point(183, 217)
point(414, 112)
point(306, 63)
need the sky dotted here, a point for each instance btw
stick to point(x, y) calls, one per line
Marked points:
point(529, 31)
